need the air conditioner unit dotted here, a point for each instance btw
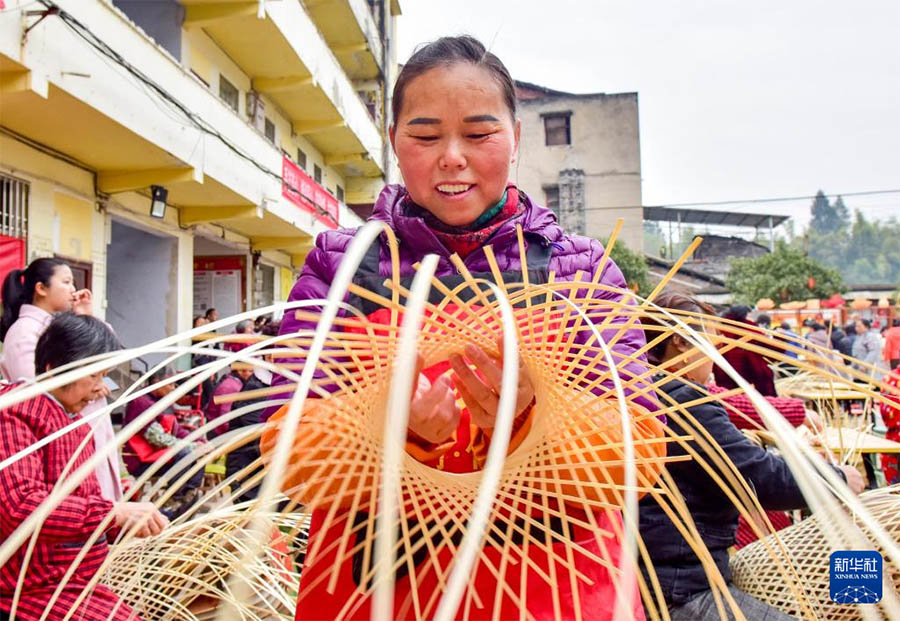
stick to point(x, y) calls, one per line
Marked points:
point(256, 110)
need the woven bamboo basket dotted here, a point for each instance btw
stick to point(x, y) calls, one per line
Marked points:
point(183, 574)
point(806, 549)
point(589, 454)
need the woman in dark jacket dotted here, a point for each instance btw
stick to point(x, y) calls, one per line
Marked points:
point(683, 579)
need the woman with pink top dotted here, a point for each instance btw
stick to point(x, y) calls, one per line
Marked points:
point(31, 297)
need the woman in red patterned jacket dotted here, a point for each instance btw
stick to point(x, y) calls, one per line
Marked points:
point(29, 479)
point(891, 415)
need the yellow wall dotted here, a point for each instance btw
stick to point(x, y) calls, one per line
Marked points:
point(73, 225)
point(287, 282)
point(201, 54)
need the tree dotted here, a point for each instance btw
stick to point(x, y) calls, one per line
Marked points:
point(866, 253)
point(655, 239)
point(633, 265)
point(828, 218)
point(783, 275)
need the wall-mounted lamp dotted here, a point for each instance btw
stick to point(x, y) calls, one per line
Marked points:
point(158, 196)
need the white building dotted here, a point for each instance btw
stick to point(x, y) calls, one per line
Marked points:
point(581, 156)
point(260, 120)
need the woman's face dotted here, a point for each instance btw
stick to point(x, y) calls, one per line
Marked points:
point(58, 295)
point(75, 396)
point(702, 372)
point(455, 142)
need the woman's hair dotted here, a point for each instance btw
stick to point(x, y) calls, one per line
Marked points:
point(71, 337)
point(209, 312)
point(672, 301)
point(447, 51)
point(272, 328)
point(160, 374)
point(866, 322)
point(738, 311)
point(18, 289)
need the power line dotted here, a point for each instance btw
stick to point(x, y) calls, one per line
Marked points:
point(101, 46)
point(782, 198)
point(751, 200)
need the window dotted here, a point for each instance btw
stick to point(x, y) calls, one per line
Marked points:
point(557, 129)
point(317, 173)
point(270, 130)
point(301, 159)
point(13, 207)
point(551, 198)
point(340, 194)
point(229, 93)
point(81, 272)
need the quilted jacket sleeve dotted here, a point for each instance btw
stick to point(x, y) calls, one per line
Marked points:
point(624, 343)
point(314, 282)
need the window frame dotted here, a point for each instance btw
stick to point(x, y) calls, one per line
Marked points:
point(548, 189)
point(236, 106)
point(566, 117)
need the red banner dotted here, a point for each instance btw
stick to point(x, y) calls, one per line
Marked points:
point(12, 255)
point(308, 195)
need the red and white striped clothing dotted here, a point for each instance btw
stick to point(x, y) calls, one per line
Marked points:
point(24, 485)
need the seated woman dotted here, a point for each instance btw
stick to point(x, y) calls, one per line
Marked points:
point(229, 384)
point(751, 365)
point(148, 445)
point(27, 482)
point(683, 579)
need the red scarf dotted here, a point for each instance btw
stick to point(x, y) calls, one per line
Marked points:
point(462, 240)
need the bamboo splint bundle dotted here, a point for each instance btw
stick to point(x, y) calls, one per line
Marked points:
point(590, 451)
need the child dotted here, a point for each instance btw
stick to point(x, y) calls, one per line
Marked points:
point(456, 134)
point(27, 482)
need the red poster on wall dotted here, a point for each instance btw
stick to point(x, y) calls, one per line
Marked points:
point(300, 189)
point(12, 255)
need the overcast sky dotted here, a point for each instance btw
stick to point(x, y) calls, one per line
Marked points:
point(737, 99)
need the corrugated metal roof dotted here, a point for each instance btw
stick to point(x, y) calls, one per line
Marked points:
point(708, 216)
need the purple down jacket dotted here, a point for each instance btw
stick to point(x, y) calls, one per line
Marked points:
point(570, 253)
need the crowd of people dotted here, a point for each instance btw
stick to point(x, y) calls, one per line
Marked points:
point(455, 135)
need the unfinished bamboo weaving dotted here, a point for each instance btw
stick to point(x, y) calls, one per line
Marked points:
point(807, 546)
point(579, 468)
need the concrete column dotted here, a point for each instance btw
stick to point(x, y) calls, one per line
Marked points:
point(572, 200)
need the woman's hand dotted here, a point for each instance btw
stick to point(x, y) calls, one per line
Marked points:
point(855, 480)
point(433, 414)
point(813, 422)
point(128, 514)
point(482, 398)
point(83, 302)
